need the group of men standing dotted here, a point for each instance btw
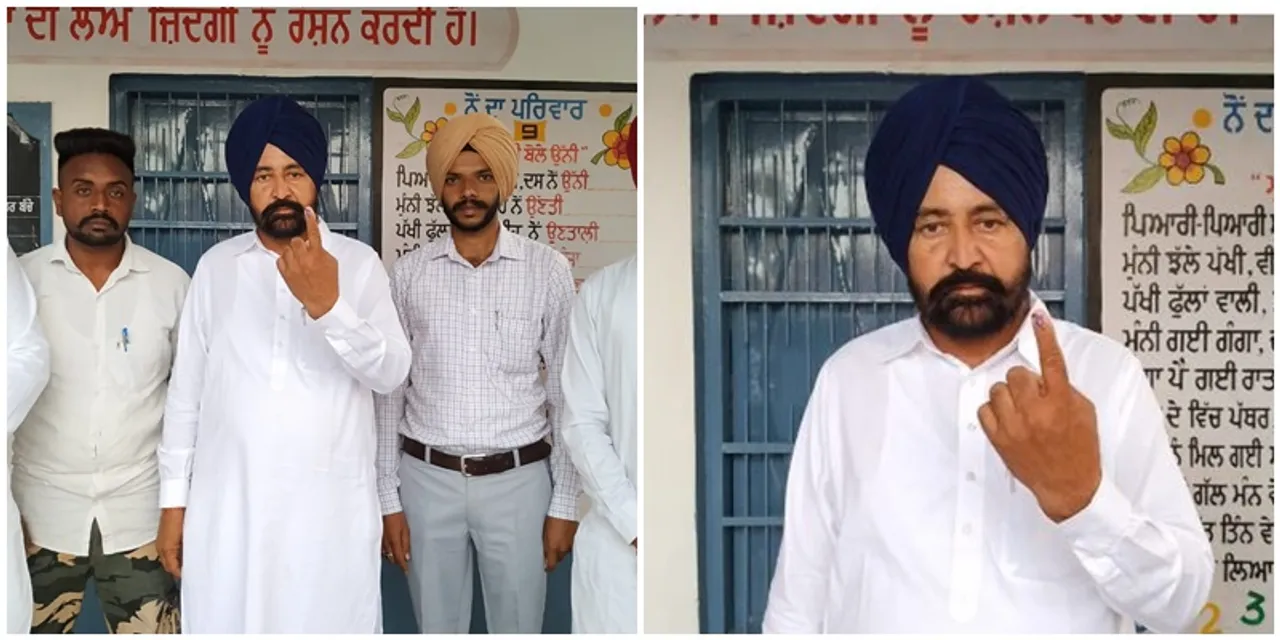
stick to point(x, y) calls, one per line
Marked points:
point(236, 451)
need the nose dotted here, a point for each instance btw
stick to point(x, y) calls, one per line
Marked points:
point(279, 189)
point(469, 190)
point(99, 202)
point(964, 252)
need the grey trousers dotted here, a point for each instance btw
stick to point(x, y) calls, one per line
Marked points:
point(501, 515)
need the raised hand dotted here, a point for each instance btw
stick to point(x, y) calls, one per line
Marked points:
point(310, 272)
point(1045, 431)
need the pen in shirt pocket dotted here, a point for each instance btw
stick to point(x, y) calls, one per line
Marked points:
point(495, 320)
point(124, 339)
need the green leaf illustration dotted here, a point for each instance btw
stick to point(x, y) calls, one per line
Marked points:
point(1146, 127)
point(411, 118)
point(1145, 179)
point(412, 149)
point(596, 159)
point(622, 119)
point(394, 115)
point(1119, 131)
point(1218, 178)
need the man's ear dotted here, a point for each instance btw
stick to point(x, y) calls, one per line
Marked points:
point(57, 201)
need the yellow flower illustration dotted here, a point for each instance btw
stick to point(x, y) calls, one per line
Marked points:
point(429, 129)
point(1184, 159)
point(615, 142)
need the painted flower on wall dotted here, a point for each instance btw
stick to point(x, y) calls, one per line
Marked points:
point(410, 119)
point(615, 142)
point(1183, 160)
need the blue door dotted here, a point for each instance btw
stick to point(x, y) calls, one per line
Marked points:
point(788, 268)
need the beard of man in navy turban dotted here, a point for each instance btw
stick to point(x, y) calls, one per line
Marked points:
point(276, 156)
point(957, 180)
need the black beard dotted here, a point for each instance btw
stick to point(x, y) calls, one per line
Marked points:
point(106, 239)
point(283, 220)
point(491, 212)
point(973, 315)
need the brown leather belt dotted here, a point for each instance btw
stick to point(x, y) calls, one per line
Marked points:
point(479, 465)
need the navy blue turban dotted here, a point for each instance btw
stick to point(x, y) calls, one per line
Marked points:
point(280, 121)
point(963, 123)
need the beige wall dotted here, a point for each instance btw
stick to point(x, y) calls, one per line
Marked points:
point(602, 49)
point(670, 542)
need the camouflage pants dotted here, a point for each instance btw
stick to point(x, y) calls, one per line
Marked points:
point(137, 595)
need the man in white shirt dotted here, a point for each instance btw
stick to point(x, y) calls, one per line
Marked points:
point(28, 375)
point(599, 382)
point(464, 444)
point(85, 470)
point(981, 467)
point(270, 504)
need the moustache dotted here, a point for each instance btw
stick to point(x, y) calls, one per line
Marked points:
point(281, 208)
point(99, 215)
point(484, 206)
point(965, 278)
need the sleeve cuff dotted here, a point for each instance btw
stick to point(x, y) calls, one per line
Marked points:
point(340, 318)
point(625, 521)
point(173, 493)
point(1100, 526)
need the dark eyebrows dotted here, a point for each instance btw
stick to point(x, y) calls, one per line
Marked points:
point(293, 166)
point(938, 212)
point(87, 182)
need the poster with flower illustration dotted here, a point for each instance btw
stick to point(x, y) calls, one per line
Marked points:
point(1187, 223)
point(574, 190)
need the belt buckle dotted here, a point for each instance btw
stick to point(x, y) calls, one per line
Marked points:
point(462, 463)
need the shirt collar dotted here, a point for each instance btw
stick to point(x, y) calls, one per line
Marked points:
point(129, 262)
point(906, 337)
point(508, 246)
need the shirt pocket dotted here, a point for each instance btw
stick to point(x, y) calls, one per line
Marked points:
point(1033, 547)
point(142, 351)
point(514, 344)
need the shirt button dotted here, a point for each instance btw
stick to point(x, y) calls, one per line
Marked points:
point(966, 529)
point(973, 427)
point(970, 476)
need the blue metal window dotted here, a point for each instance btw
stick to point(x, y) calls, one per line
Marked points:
point(30, 166)
point(186, 202)
point(788, 268)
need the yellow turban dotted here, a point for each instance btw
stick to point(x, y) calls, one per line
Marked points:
point(482, 132)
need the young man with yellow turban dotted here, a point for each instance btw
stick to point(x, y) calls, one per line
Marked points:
point(268, 493)
point(982, 467)
point(469, 448)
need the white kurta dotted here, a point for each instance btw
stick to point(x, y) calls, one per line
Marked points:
point(269, 444)
point(599, 381)
point(902, 518)
point(28, 371)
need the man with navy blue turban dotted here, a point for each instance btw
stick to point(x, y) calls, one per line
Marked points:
point(270, 512)
point(981, 467)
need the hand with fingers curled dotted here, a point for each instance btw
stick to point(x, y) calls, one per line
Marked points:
point(1046, 431)
point(310, 272)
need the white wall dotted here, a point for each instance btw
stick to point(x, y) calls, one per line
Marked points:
point(583, 45)
point(670, 542)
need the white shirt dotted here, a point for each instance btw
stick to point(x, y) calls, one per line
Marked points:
point(269, 443)
point(87, 451)
point(599, 382)
point(901, 517)
point(28, 373)
point(480, 337)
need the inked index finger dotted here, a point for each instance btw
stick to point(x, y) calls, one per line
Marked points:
point(1053, 365)
point(313, 227)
